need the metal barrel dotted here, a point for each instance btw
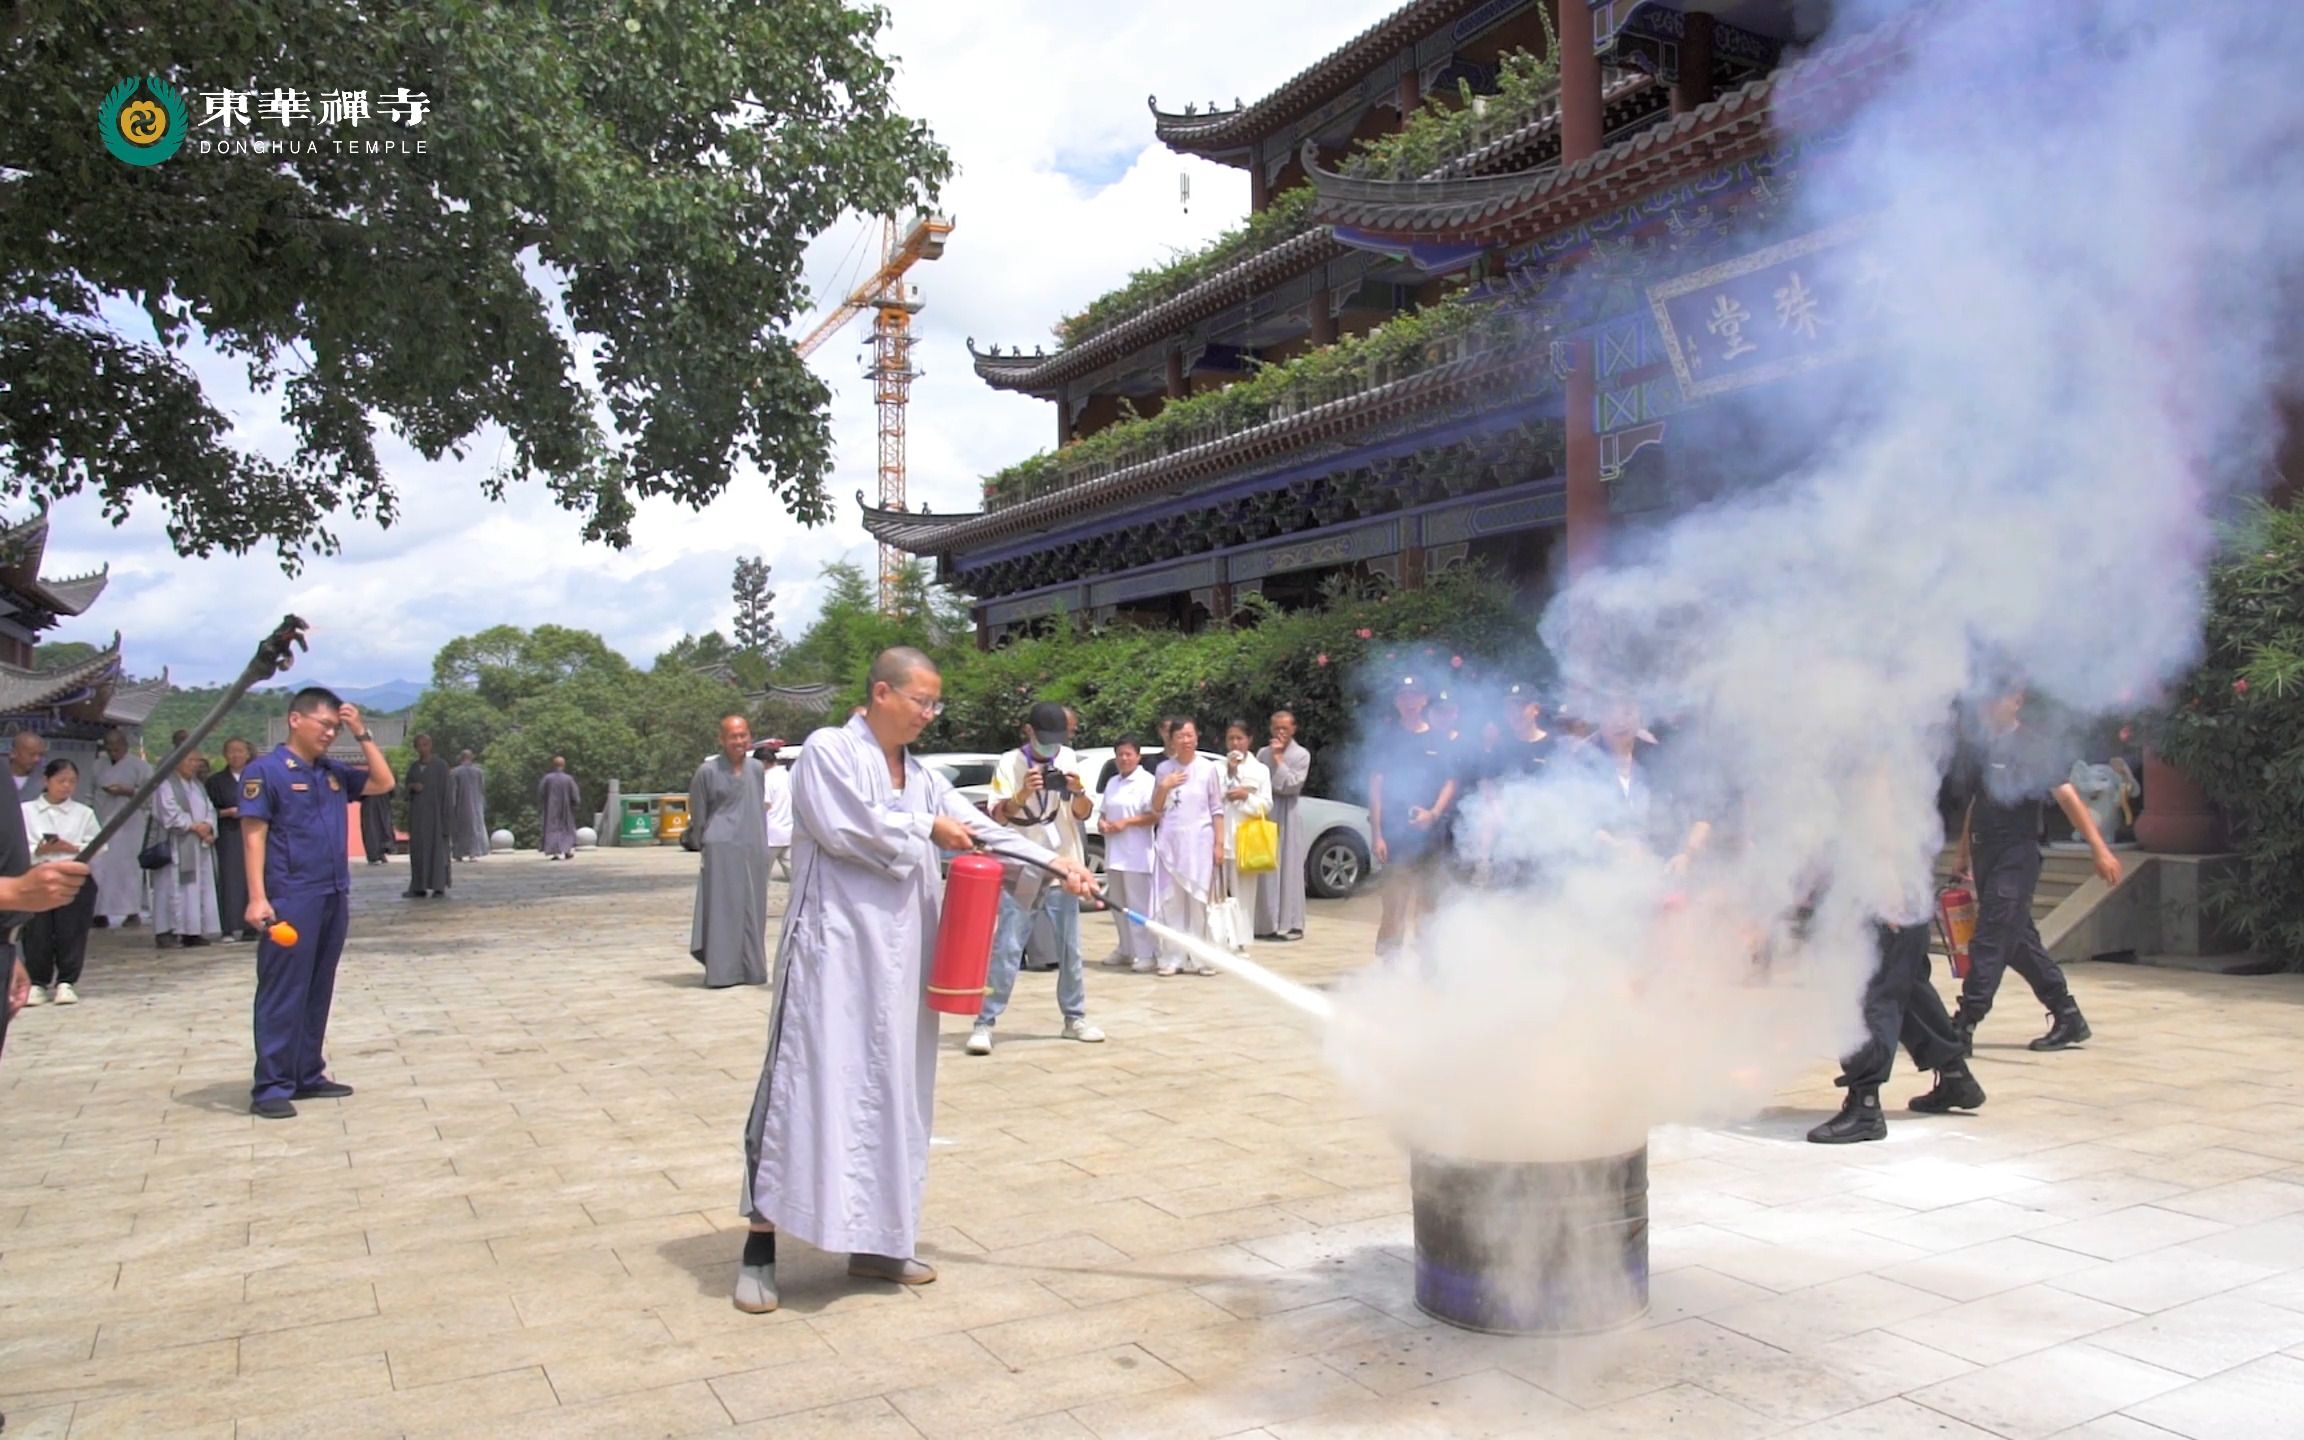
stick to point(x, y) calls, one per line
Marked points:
point(1532, 1248)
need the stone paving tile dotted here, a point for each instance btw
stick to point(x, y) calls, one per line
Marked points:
point(524, 1224)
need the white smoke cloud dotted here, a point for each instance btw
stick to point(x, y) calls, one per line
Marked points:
point(2083, 226)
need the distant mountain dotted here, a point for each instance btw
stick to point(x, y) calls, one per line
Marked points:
point(389, 696)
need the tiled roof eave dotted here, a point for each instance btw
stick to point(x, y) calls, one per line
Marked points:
point(1223, 134)
point(1508, 208)
point(1289, 258)
point(1350, 414)
point(25, 690)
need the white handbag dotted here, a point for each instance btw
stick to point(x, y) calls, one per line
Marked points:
point(1223, 915)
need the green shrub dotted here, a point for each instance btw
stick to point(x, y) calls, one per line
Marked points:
point(1124, 680)
point(1288, 216)
point(1394, 350)
point(1449, 128)
point(2238, 727)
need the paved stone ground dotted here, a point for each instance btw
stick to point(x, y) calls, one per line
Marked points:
point(524, 1223)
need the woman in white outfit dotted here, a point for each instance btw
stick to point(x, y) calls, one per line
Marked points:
point(1247, 796)
point(1188, 855)
point(1125, 822)
point(776, 787)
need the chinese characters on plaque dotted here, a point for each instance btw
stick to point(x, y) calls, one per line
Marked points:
point(1762, 316)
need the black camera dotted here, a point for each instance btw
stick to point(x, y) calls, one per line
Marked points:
point(1054, 780)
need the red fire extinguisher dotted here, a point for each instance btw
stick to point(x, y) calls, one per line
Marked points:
point(1956, 917)
point(964, 935)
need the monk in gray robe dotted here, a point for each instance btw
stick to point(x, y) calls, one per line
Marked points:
point(468, 809)
point(376, 830)
point(429, 811)
point(729, 932)
point(1280, 899)
point(557, 802)
point(119, 879)
point(836, 1150)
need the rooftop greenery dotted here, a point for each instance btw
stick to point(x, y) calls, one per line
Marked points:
point(1403, 346)
point(1288, 216)
point(1447, 127)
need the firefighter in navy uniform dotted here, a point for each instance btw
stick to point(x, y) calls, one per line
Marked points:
point(2011, 771)
point(293, 808)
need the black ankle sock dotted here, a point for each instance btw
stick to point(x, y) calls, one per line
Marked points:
point(760, 1247)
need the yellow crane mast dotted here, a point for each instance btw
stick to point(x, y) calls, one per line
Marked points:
point(893, 304)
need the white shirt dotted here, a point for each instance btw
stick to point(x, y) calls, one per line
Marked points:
point(1060, 832)
point(1127, 797)
point(1256, 779)
point(71, 822)
point(778, 789)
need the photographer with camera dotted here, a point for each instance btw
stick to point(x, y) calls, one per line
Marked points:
point(1037, 792)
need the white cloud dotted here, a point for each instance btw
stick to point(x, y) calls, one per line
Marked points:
point(1041, 103)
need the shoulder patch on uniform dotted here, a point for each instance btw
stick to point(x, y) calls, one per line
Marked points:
point(251, 788)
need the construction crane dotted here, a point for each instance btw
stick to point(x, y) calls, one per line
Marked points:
point(893, 304)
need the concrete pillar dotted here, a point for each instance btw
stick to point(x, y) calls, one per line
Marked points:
point(1178, 386)
point(1579, 84)
point(1587, 501)
point(1694, 87)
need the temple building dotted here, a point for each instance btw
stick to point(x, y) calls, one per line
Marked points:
point(1473, 315)
point(71, 705)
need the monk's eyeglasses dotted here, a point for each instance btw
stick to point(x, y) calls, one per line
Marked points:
point(933, 708)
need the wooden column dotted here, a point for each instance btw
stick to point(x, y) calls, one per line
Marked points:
point(1579, 84)
point(1259, 189)
point(1063, 417)
point(1411, 90)
point(1412, 567)
point(1323, 317)
point(1587, 501)
point(1694, 87)
point(1178, 385)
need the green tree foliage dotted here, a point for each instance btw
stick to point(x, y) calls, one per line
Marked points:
point(516, 698)
point(712, 653)
point(2238, 727)
point(755, 607)
point(596, 254)
point(62, 654)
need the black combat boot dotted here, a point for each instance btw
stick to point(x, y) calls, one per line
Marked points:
point(2067, 1027)
point(1956, 1089)
point(1964, 1025)
point(1859, 1119)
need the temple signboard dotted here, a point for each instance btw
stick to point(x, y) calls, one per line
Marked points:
point(1763, 316)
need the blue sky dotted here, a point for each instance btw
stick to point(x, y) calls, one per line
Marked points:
point(1061, 193)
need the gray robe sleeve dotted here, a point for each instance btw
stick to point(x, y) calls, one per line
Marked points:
point(700, 801)
point(1290, 770)
point(832, 800)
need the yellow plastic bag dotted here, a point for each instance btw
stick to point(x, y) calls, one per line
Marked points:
point(1259, 842)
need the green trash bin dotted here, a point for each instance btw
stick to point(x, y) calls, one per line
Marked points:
point(638, 827)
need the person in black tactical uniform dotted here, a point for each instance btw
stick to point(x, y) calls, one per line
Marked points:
point(1901, 1003)
point(2012, 771)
